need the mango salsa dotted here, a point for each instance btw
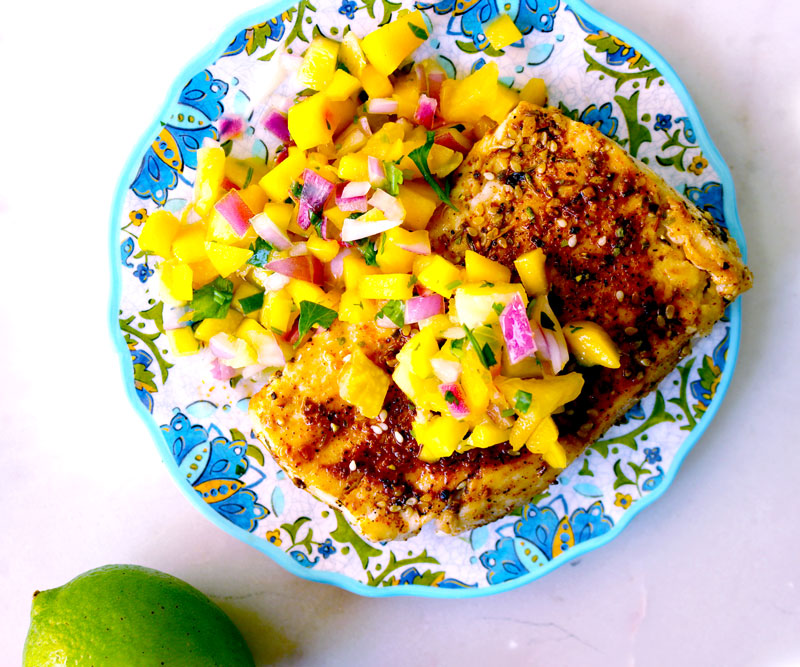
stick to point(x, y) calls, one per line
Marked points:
point(363, 384)
point(319, 63)
point(389, 45)
point(158, 232)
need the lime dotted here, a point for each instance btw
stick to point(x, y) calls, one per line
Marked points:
point(130, 615)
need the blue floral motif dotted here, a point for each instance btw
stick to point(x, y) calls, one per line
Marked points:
point(348, 9)
point(125, 251)
point(237, 45)
point(663, 122)
point(326, 548)
point(469, 16)
point(652, 454)
point(600, 118)
point(175, 148)
point(708, 198)
point(688, 128)
point(653, 482)
point(143, 381)
point(710, 372)
point(143, 272)
point(302, 559)
point(540, 536)
point(214, 469)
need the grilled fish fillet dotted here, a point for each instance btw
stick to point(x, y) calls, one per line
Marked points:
point(623, 250)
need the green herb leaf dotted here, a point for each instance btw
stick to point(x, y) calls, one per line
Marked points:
point(419, 33)
point(522, 401)
point(453, 284)
point(457, 344)
point(394, 178)
point(368, 250)
point(261, 251)
point(316, 220)
point(314, 314)
point(547, 323)
point(296, 190)
point(252, 302)
point(487, 360)
point(498, 308)
point(394, 310)
point(507, 413)
point(419, 156)
point(529, 309)
point(450, 397)
point(486, 283)
point(488, 354)
point(212, 300)
point(342, 66)
point(412, 280)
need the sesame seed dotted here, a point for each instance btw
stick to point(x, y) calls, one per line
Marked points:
point(398, 437)
point(279, 422)
point(383, 427)
point(660, 321)
point(347, 358)
point(620, 295)
point(472, 232)
point(602, 241)
point(395, 508)
point(631, 331)
point(561, 223)
point(412, 501)
point(552, 147)
point(352, 465)
point(573, 241)
point(502, 243)
point(644, 362)
point(334, 427)
point(381, 503)
point(376, 429)
point(670, 311)
point(382, 415)
point(461, 485)
point(488, 175)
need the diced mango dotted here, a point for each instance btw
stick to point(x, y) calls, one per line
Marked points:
point(476, 381)
point(254, 196)
point(486, 434)
point(437, 274)
point(354, 269)
point(363, 384)
point(301, 290)
point(340, 116)
point(481, 269)
point(182, 342)
point(244, 291)
point(504, 100)
point(439, 437)
point(386, 143)
point(442, 160)
point(534, 92)
point(351, 54)
point(324, 250)
point(319, 63)
point(277, 311)
point(220, 231)
point(208, 178)
point(477, 304)
point(336, 215)
point(189, 244)
point(392, 43)
point(278, 180)
point(531, 269)
point(176, 279)
point(420, 201)
point(391, 257)
point(590, 344)
point(243, 173)
point(544, 441)
point(468, 99)
point(375, 84)
point(309, 124)
point(280, 214)
point(418, 350)
point(386, 286)
point(501, 32)
point(158, 233)
point(407, 93)
point(202, 273)
point(355, 309)
point(342, 86)
point(227, 259)
point(212, 326)
point(353, 167)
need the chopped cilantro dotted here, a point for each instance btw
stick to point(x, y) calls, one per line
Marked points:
point(529, 309)
point(314, 314)
point(249, 178)
point(251, 303)
point(419, 33)
point(488, 354)
point(261, 252)
point(394, 178)
point(574, 329)
point(522, 401)
point(212, 300)
point(457, 344)
point(342, 66)
point(368, 250)
point(394, 310)
point(485, 353)
point(564, 243)
point(507, 413)
point(296, 190)
point(226, 147)
point(453, 284)
point(412, 280)
point(316, 221)
point(450, 397)
point(486, 283)
point(419, 156)
point(498, 307)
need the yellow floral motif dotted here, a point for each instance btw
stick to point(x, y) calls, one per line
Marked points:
point(699, 163)
point(138, 217)
point(623, 500)
point(274, 536)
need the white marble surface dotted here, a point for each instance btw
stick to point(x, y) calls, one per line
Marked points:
point(709, 575)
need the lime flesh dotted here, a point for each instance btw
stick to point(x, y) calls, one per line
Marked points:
point(130, 615)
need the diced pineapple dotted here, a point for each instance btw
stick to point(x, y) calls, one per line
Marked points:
point(363, 384)
point(437, 274)
point(278, 180)
point(439, 437)
point(355, 309)
point(227, 259)
point(319, 63)
point(182, 342)
point(323, 250)
point(501, 32)
point(342, 86)
point(158, 233)
point(208, 178)
point(386, 143)
point(420, 201)
point(590, 344)
point(310, 124)
point(189, 244)
point(176, 279)
point(351, 54)
point(531, 269)
point(375, 84)
point(392, 43)
point(477, 304)
point(534, 92)
point(212, 326)
point(386, 286)
point(482, 269)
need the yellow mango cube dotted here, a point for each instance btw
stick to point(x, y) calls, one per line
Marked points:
point(353, 167)
point(244, 173)
point(336, 215)
point(254, 196)
point(202, 273)
point(531, 269)
point(437, 274)
point(355, 309)
point(407, 93)
point(182, 342)
point(351, 54)
point(342, 86)
point(480, 269)
point(544, 441)
point(504, 100)
point(219, 230)
point(476, 382)
point(323, 250)
point(280, 214)
point(468, 99)
point(363, 384)
point(386, 286)
point(277, 311)
point(309, 124)
point(393, 259)
point(176, 279)
point(420, 201)
point(211, 326)
point(392, 43)
point(501, 32)
point(302, 290)
point(227, 259)
point(439, 437)
point(158, 233)
point(189, 243)
point(418, 351)
point(354, 269)
point(487, 434)
point(208, 178)
point(319, 63)
point(534, 92)
point(278, 180)
point(375, 83)
point(590, 344)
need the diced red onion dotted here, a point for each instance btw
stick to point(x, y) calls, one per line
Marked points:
point(422, 247)
point(364, 125)
point(268, 350)
point(298, 250)
point(382, 105)
point(233, 208)
point(275, 282)
point(221, 371)
point(303, 214)
point(435, 80)
point(422, 307)
point(337, 263)
point(352, 196)
point(230, 126)
point(446, 370)
point(375, 170)
point(385, 323)
point(355, 189)
point(558, 353)
point(391, 206)
point(280, 157)
point(426, 109)
point(454, 140)
point(307, 268)
point(353, 229)
point(223, 346)
point(458, 407)
point(316, 189)
point(174, 317)
point(276, 124)
point(517, 332)
point(270, 232)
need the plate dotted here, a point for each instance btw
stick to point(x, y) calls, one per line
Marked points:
point(597, 72)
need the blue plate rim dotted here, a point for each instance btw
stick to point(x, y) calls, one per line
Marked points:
point(208, 56)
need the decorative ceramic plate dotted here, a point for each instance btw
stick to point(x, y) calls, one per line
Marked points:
point(597, 72)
